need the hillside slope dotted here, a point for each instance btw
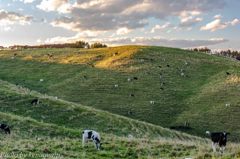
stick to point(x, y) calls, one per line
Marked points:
point(53, 129)
point(16, 100)
point(185, 86)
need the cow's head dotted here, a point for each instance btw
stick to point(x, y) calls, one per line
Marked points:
point(225, 134)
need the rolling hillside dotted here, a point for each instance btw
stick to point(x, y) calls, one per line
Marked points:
point(183, 86)
point(53, 129)
point(126, 93)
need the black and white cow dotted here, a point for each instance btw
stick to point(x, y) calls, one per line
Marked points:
point(5, 128)
point(35, 101)
point(218, 138)
point(91, 135)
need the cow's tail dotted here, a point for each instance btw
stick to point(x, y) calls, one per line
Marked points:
point(208, 132)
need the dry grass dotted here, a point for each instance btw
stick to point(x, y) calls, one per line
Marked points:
point(106, 58)
point(233, 79)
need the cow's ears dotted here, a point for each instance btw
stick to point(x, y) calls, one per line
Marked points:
point(228, 133)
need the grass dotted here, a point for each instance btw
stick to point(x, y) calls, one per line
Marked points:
point(77, 89)
point(17, 100)
point(58, 135)
point(194, 96)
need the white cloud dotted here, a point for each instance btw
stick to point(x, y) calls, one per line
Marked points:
point(115, 14)
point(27, 1)
point(84, 35)
point(167, 25)
point(6, 28)
point(235, 22)
point(123, 31)
point(39, 41)
point(217, 24)
point(68, 24)
point(189, 18)
point(159, 41)
point(214, 25)
point(54, 5)
point(11, 18)
point(218, 16)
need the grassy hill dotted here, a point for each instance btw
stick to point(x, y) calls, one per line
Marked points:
point(192, 86)
point(53, 129)
point(122, 81)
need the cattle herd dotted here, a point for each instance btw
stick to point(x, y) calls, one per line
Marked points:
point(218, 138)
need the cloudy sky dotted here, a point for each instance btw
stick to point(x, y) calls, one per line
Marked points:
point(175, 23)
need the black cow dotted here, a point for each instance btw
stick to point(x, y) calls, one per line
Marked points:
point(35, 101)
point(5, 128)
point(132, 95)
point(135, 78)
point(218, 138)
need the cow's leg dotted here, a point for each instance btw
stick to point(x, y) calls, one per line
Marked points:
point(222, 148)
point(83, 141)
point(97, 144)
point(214, 146)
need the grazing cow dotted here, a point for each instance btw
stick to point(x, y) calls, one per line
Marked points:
point(132, 95)
point(50, 56)
point(228, 73)
point(135, 78)
point(186, 124)
point(91, 135)
point(5, 128)
point(130, 113)
point(227, 104)
point(218, 138)
point(35, 101)
point(152, 102)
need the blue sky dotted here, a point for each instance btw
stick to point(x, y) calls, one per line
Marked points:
point(174, 23)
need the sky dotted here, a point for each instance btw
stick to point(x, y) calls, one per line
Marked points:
point(173, 23)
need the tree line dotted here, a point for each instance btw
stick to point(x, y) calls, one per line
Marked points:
point(228, 53)
point(77, 44)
